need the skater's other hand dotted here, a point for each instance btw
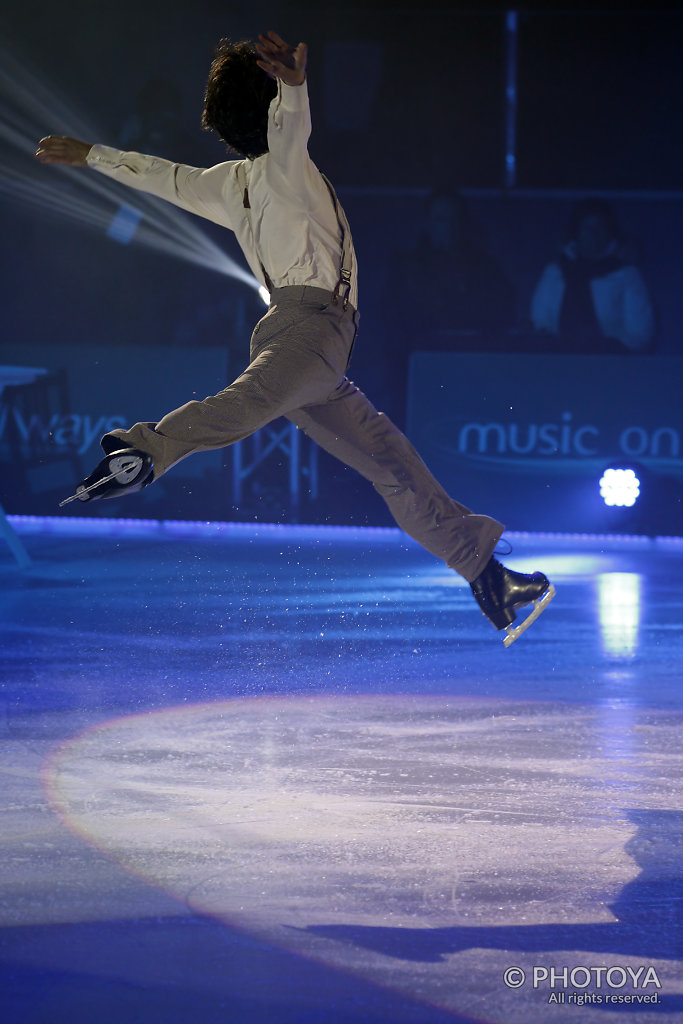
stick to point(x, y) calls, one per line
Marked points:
point(59, 149)
point(281, 60)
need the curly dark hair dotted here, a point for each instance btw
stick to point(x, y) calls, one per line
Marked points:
point(238, 94)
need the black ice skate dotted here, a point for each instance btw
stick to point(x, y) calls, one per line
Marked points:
point(117, 474)
point(500, 593)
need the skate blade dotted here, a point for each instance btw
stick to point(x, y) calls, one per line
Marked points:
point(125, 468)
point(85, 491)
point(512, 633)
point(66, 501)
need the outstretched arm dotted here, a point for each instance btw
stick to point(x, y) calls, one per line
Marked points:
point(201, 191)
point(281, 60)
point(60, 149)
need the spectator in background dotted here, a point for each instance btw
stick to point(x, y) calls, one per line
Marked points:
point(448, 293)
point(593, 298)
point(453, 284)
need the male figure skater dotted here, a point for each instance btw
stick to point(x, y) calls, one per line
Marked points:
point(296, 239)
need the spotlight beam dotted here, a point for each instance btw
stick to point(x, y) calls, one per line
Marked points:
point(36, 102)
point(34, 105)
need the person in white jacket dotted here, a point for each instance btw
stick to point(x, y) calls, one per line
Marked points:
point(593, 298)
point(296, 239)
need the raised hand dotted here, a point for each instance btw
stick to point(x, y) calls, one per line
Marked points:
point(60, 149)
point(281, 60)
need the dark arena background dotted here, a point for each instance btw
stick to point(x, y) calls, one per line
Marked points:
point(264, 761)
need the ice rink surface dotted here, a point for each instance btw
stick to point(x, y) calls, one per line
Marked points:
point(286, 775)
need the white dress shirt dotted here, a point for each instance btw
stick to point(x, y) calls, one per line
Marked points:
point(291, 228)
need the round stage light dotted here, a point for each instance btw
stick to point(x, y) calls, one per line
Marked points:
point(619, 487)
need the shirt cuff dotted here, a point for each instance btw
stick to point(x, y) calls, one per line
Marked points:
point(103, 156)
point(293, 97)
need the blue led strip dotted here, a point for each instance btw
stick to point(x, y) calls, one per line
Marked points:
point(76, 525)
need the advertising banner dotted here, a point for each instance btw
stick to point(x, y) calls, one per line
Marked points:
point(527, 438)
point(56, 403)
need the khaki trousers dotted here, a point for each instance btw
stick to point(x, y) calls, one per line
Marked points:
point(299, 356)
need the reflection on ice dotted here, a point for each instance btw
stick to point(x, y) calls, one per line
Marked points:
point(619, 602)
